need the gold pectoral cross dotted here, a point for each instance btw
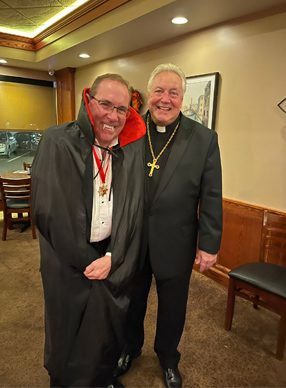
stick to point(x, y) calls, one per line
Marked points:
point(152, 166)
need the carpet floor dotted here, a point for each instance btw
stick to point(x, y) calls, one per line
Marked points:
point(211, 356)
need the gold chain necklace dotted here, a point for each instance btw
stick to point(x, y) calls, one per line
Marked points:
point(154, 164)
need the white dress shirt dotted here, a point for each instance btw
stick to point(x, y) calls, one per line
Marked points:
point(102, 205)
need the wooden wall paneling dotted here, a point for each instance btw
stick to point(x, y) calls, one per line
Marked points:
point(241, 238)
point(65, 95)
point(219, 273)
point(250, 234)
point(242, 230)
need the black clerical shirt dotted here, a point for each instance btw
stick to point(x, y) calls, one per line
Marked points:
point(158, 140)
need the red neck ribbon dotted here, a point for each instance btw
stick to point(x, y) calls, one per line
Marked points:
point(102, 173)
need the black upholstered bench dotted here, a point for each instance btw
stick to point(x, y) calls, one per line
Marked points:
point(264, 284)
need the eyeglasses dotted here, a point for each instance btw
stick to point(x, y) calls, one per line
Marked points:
point(109, 107)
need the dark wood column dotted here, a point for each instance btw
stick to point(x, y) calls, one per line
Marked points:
point(65, 95)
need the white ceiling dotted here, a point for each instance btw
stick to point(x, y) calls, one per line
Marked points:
point(133, 26)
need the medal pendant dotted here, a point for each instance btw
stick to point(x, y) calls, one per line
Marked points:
point(103, 189)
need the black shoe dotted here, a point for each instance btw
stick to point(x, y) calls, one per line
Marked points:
point(172, 378)
point(124, 363)
point(115, 384)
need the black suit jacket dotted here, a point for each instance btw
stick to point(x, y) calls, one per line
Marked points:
point(186, 211)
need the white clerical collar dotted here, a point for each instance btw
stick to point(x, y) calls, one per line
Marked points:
point(160, 129)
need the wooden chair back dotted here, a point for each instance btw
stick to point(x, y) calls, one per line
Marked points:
point(16, 197)
point(273, 247)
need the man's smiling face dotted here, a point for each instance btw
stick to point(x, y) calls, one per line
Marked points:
point(109, 123)
point(165, 98)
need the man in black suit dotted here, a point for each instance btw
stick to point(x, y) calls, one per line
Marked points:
point(183, 218)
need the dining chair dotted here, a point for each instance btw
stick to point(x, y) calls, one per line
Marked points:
point(27, 166)
point(16, 197)
point(264, 283)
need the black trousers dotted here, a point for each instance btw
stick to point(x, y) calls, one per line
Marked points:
point(172, 303)
point(55, 384)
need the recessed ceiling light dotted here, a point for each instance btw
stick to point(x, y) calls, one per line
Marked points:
point(3, 60)
point(179, 20)
point(84, 55)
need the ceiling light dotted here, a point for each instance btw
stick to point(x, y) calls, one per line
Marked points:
point(84, 55)
point(3, 60)
point(179, 20)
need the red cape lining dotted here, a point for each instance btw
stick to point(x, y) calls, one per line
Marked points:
point(133, 129)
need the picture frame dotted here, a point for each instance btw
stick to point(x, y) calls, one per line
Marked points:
point(200, 99)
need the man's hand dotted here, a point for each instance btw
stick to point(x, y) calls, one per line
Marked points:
point(205, 260)
point(98, 269)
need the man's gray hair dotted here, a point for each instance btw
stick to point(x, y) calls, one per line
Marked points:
point(167, 67)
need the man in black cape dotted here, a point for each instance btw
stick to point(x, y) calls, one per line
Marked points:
point(87, 184)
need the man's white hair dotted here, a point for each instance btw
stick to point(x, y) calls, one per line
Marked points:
point(167, 67)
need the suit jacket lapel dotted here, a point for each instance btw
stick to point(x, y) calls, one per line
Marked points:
point(177, 151)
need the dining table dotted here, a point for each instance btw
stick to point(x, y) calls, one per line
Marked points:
point(18, 174)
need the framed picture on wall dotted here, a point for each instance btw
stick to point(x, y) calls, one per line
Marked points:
point(200, 98)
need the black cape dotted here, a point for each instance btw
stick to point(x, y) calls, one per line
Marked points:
point(84, 318)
